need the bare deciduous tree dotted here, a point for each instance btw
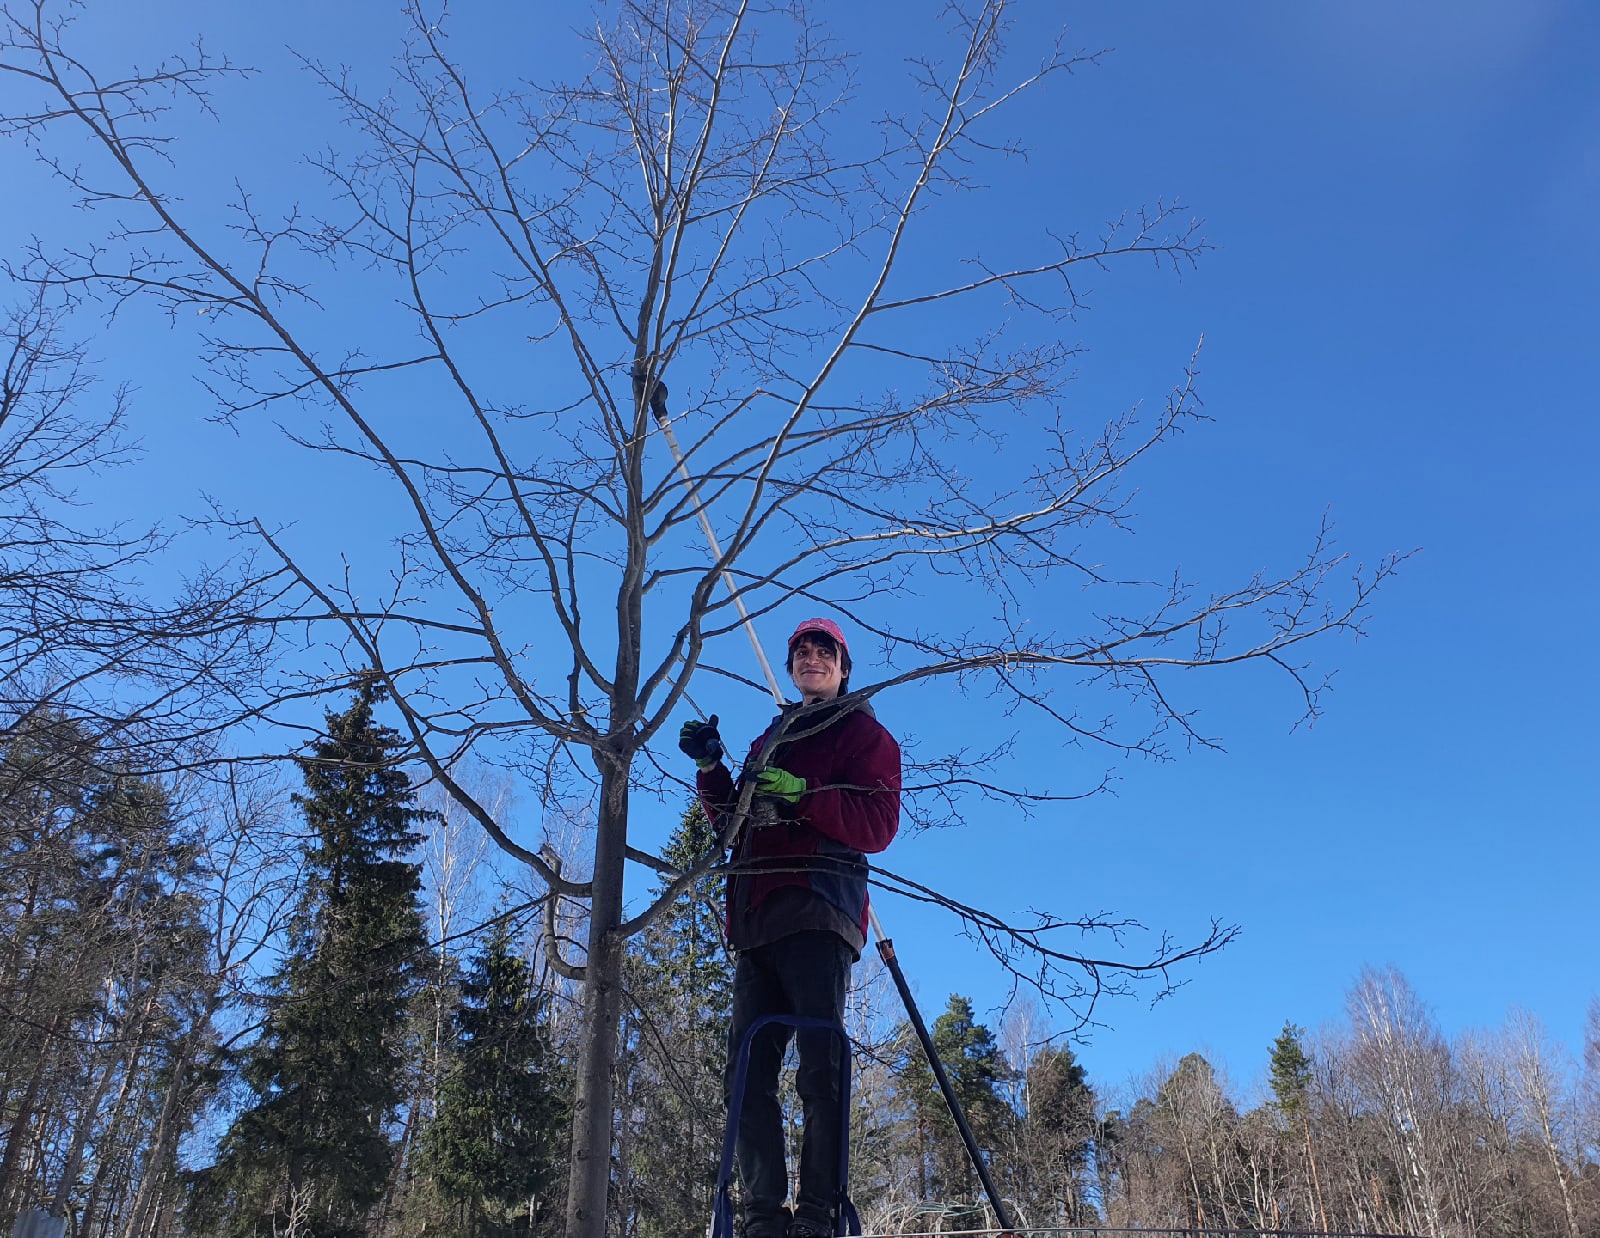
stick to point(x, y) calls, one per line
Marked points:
point(1591, 1079)
point(1540, 1082)
point(79, 637)
point(709, 205)
point(1478, 1131)
point(250, 869)
point(1403, 1062)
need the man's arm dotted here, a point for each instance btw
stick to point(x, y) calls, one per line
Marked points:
point(716, 789)
point(718, 794)
point(862, 810)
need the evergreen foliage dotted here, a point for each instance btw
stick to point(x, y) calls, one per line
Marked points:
point(976, 1070)
point(494, 1149)
point(102, 963)
point(313, 1149)
point(1061, 1121)
point(1291, 1071)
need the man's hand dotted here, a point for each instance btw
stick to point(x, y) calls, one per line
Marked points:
point(780, 784)
point(701, 743)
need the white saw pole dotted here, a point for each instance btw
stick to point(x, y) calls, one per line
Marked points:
point(658, 406)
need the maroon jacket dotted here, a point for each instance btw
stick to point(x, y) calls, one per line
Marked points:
point(851, 808)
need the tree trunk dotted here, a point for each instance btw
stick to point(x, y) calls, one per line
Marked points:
point(590, 1173)
point(91, 1113)
point(12, 1198)
point(164, 1138)
point(1316, 1180)
point(394, 1190)
point(1217, 1182)
point(1553, 1151)
point(72, 1165)
point(163, 1145)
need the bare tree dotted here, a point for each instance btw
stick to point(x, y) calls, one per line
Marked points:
point(1487, 1122)
point(453, 856)
point(250, 867)
point(1048, 1154)
point(59, 583)
point(80, 639)
point(708, 203)
point(130, 911)
point(1540, 1081)
point(1405, 1065)
point(1591, 1080)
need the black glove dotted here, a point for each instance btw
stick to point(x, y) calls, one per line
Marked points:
point(658, 393)
point(701, 742)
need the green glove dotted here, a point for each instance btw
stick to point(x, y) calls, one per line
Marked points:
point(780, 784)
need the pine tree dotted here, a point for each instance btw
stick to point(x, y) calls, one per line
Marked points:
point(49, 899)
point(681, 982)
point(313, 1149)
point(973, 1063)
point(1291, 1071)
point(147, 946)
point(1061, 1119)
point(493, 1150)
point(1200, 1124)
point(1291, 1089)
point(102, 951)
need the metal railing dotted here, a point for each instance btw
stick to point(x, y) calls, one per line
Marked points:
point(1108, 1231)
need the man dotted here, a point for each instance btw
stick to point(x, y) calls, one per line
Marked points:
point(797, 913)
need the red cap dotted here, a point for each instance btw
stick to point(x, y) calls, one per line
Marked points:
point(826, 626)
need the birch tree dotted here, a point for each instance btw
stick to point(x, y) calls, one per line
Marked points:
point(1403, 1059)
point(695, 290)
point(1591, 1080)
point(1548, 1107)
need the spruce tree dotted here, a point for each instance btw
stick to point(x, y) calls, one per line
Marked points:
point(1291, 1090)
point(313, 1149)
point(494, 1147)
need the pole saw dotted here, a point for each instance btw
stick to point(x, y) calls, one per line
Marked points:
point(654, 392)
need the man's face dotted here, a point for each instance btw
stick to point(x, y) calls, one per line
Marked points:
point(814, 667)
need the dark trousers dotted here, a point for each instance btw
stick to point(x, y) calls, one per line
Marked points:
point(803, 974)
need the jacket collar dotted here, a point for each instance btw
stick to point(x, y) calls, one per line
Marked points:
point(815, 717)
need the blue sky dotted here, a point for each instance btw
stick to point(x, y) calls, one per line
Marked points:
point(1400, 322)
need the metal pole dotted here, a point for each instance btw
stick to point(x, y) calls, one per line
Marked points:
point(886, 952)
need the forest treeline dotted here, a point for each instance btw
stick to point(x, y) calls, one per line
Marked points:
point(225, 1010)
